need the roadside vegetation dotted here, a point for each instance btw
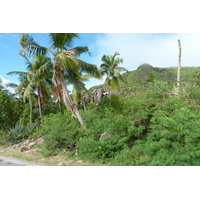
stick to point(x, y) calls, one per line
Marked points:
point(136, 118)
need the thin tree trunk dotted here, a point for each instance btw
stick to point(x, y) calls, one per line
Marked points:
point(69, 103)
point(83, 102)
point(179, 65)
point(39, 103)
point(59, 106)
point(31, 113)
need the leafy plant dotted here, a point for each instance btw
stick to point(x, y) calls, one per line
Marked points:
point(20, 133)
point(59, 133)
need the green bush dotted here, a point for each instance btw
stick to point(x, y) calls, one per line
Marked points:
point(20, 133)
point(172, 140)
point(100, 150)
point(3, 137)
point(122, 125)
point(59, 133)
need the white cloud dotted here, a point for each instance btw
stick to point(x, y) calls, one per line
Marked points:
point(5, 81)
point(160, 50)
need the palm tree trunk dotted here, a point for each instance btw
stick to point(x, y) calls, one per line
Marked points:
point(31, 112)
point(83, 102)
point(69, 103)
point(39, 103)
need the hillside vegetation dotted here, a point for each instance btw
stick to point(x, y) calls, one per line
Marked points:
point(145, 121)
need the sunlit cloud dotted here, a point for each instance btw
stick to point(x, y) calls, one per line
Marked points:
point(4, 82)
point(159, 50)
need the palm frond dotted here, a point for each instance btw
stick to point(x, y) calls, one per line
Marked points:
point(31, 47)
point(117, 61)
point(122, 69)
point(89, 68)
point(85, 77)
point(11, 85)
point(77, 51)
point(28, 91)
point(17, 73)
point(61, 40)
point(44, 68)
point(67, 62)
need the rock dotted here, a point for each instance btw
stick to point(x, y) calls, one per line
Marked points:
point(110, 92)
point(26, 142)
point(85, 98)
point(106, 135)
point(67, 162)
point(121, 92)
point(24, 149)
point(80, 161)
point(31, 145)
point(15, 145)
point(39, 140)
point(97, 95)
point(22, 144)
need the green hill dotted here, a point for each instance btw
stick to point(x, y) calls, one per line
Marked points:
point(141, 79)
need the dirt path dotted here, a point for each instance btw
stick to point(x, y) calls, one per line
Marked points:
point(7, 161)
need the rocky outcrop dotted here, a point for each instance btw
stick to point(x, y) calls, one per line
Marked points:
point(97, 95)
point(28, 144)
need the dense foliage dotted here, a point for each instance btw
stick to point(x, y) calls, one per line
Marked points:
point(148, 123)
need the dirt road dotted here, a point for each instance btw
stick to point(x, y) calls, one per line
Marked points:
point(7, 161)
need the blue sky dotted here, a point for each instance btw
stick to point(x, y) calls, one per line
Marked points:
point(157, 49)
point(9, 48)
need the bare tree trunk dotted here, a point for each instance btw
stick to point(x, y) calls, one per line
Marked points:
point(83, 102)
point(31, 113)
point(69, 103)
point(39, 103)
point(59, 106)
point(179, 65)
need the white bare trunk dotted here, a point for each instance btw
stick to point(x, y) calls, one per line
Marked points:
point(179, 65)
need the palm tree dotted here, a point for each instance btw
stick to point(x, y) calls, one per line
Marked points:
point(25, 90)
point(79, 88)
point(65, 63)
point(111, 68)
point(34, 79)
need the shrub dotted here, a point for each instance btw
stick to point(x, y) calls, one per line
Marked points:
point(172, 140)
point(20, 133)
point(100, 150)
point(59, 132)
point(3, 137)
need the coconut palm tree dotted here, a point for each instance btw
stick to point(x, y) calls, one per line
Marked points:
point(110, 67)
point(34, 80)
point(80, 88)
point(25, 90)
point(65, 63)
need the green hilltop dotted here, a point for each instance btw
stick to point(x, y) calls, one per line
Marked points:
point(145, 75)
